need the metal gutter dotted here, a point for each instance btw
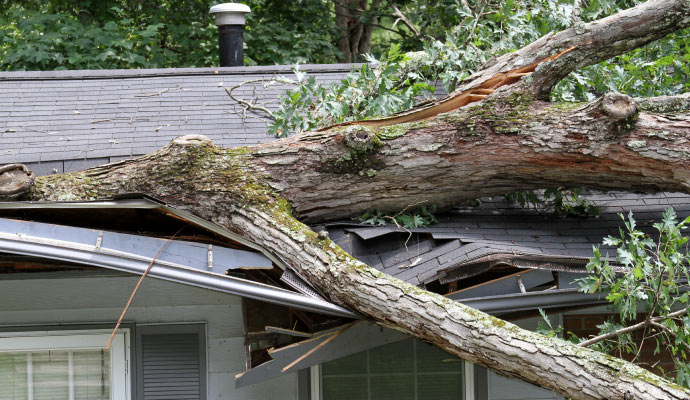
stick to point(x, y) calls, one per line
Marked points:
point(144, 203)
point(97, 255)
point(533, 300)
point(141, 201)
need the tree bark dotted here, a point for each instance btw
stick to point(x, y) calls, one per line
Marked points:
point(355, 35)
point(506, 140)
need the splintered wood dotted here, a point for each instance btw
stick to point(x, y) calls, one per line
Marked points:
point(455, 100)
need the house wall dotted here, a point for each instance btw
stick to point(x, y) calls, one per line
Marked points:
point(99, 300)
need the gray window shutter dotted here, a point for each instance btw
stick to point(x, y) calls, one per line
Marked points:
point(171, 365)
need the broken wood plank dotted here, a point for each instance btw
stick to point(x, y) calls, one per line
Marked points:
point(361, 337)
point(320, 345)
point(289, 332)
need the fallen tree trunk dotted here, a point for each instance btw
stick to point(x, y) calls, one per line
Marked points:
point(223, 186)
point(508, 141)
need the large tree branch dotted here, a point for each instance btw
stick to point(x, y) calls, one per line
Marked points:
point(602, 39)
point(507, 143)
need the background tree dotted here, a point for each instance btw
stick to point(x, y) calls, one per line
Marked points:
point(85, 34)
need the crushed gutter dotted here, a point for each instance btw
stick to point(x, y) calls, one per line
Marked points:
point(133, 253)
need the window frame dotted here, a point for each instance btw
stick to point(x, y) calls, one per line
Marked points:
point(315, 381)
point(83, 339)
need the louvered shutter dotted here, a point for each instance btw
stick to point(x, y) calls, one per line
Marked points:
point(171, 366)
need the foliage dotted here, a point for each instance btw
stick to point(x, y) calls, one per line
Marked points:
point(476, 31)
point(379, 88)
point(545, 327)
point(649, 276)
point(289, 32)
point(84, 34)
point(408, 220)
point(62, 35)
point(563, 201)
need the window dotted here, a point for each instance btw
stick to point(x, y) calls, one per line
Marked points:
point(405, 370)
point(70, 365)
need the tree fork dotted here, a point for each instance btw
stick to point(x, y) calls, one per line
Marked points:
point(222, 186)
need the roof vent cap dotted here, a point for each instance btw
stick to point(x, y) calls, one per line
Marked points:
point(229, 13)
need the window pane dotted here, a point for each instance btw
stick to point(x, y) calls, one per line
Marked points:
point(91, 375)
point(50, 375)
point(345, 388)
point(354, 364)
point(432, 359)
point(13, 376)
point(395, 357)
point(396, 371)
point(54, 373)
point(439, 387)
point(392, 387)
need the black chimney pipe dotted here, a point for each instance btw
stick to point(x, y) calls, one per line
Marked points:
point(230, 21)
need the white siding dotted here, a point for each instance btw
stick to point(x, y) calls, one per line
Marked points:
point(101, 299)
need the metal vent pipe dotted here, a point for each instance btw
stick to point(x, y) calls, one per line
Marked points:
point(230, 19)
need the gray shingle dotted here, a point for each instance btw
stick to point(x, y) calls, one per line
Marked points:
point(153, 106)
point(519, 231)
point(78, 165)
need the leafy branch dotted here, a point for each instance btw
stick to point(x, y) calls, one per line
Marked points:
point(651, 275)
point(407, 220)
point(561, 201)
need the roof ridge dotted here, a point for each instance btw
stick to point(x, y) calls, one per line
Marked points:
point(168, 72)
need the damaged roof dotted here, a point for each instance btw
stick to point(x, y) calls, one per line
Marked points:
point(63, 121)
point(498, 231)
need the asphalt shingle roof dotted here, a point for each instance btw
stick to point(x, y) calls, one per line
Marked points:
point(60, 121)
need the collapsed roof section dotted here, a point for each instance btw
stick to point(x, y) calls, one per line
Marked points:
point(487, 250)
point(494, 257)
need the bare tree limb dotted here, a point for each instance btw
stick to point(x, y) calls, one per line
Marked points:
point(251, 105)
point(641, 325)
point(402, 18)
